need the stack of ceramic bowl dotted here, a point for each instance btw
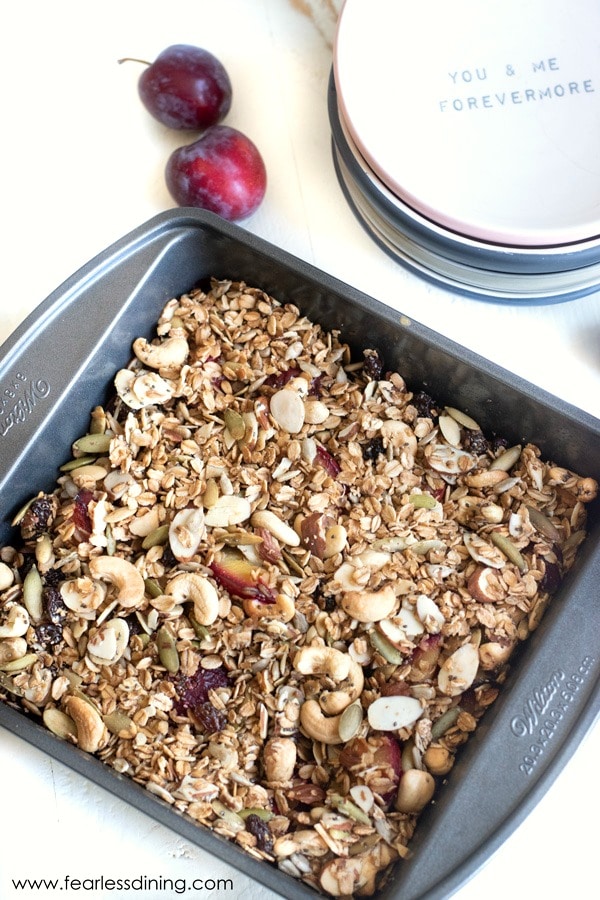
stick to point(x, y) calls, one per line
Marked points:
point(466, 139)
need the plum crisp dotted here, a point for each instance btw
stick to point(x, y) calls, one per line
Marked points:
point(277, 588)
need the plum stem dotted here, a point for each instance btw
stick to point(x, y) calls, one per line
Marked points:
point(144, 62)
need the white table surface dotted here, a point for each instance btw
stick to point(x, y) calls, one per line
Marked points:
point(82, 164)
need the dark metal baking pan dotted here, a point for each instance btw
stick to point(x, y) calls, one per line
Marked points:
point(59, 364)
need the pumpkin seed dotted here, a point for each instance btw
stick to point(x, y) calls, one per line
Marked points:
point(117, 721)
point(19, 516)
point(445, 722)
point(240, 539)
point(350, 721)
point(506, 460)
point(390, 653)
point(156, 538)
point(423, 501)
point(228, 815)
point(153, 588)
point(59, 723)
point(507, 547)
point(462, 418)
point(17, 665)
point(32, 594)
point(235, 424)
point(263, 814)
point(543, 524)
point(7, 684)
point(93, 443)
point(347, 808)
point(167, 650)
point(77, 463)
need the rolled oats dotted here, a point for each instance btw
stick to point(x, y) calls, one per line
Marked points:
point(277, 588)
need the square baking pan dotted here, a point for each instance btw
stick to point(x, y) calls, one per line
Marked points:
point(60, 363)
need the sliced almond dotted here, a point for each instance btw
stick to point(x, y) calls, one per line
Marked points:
point(458, 671)
point(430, 614)
point(392, 713)
point(228, 509)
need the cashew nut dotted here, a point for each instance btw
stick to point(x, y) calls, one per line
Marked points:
point(325, 729)
point(317, 660)
point(169, 354)
point(123, 575)
point(334, 702)
point(16, 624)
point(283, 608)
point(356, 875)
point(202, 593)
point(369, 606)
point(91, 730)
point(279, 758)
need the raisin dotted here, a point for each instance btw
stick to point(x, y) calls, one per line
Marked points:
point(49, 634)
point(53, 604)
point(38, 517)
point(261, 831)
point(498, 444)
point(425, 405)
point(330, 604)
point(168, 558)
point(475, 442)
point(134, 624)
point(210, 719)
point(192, 690)
point(373, 449)
point(53, 577)
point(373, 365)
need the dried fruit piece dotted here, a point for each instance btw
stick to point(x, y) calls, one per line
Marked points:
point(239, 577)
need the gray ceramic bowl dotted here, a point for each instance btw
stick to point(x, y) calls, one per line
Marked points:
point(60, 363)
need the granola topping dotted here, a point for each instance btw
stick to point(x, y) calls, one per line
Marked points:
point(277, 588)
